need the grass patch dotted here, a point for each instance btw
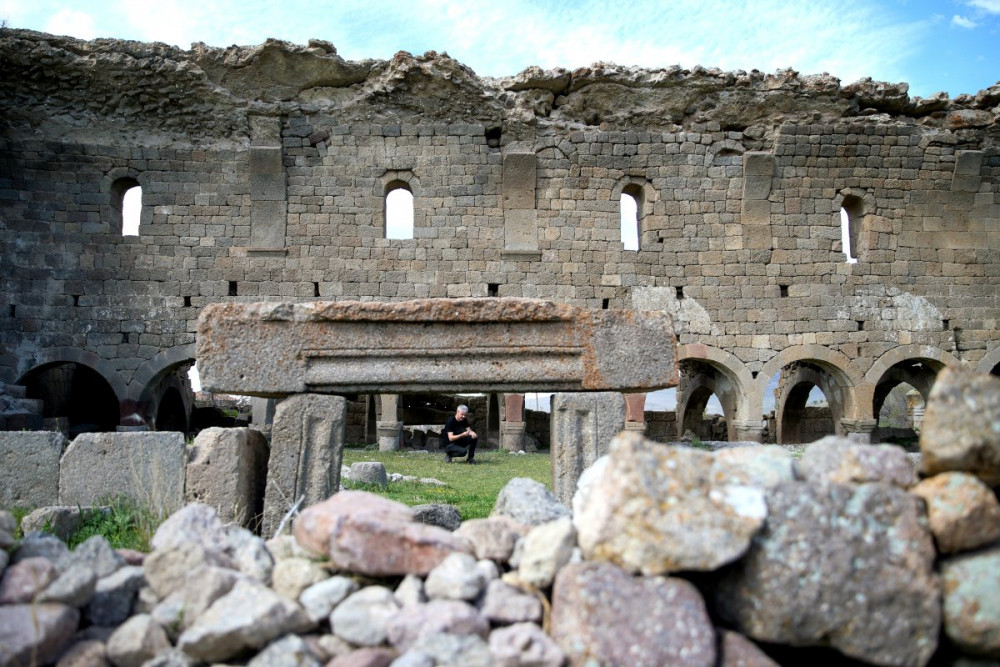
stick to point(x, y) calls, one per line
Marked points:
point(127, 526)
point(473, 489)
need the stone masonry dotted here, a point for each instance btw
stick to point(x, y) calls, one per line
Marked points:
point(264, 173)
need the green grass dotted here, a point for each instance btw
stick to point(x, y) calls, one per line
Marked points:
point(127, 526)
point(471, 488)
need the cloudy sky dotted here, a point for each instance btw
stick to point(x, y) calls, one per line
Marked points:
point(934, 45)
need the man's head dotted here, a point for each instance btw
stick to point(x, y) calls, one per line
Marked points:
point(461, 411)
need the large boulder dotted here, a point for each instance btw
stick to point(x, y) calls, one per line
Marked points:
point(227, 469)
point(653, 509)
point(971, 584)
point(963, 512)
point(843, 461)
point(29, 468)
point(839, 565)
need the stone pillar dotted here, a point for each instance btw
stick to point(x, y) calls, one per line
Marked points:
point(635, 412)
point(582, 426)
point(307, 442)
point(513, 425)
point(749, 430)
point(859, 430)
point(262, 414)
point(388, 426)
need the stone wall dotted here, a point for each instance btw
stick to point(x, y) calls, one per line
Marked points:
point(262, 182)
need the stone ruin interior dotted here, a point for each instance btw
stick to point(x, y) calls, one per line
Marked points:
point(265, 174)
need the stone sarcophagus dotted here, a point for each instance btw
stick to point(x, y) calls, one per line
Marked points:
point(436, 345)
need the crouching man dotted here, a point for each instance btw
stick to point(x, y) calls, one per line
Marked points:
point(458, 438)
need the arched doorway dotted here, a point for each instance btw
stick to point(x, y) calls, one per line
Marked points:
point(808, 403)
point(706, 401)
point(75, 394)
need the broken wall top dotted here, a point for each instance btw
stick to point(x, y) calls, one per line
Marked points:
point(70, 87)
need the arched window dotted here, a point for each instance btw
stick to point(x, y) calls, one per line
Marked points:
point(126, 206)
point(851, 214)
point(631, 214)
point(398, 211)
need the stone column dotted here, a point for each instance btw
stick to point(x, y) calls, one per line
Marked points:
point(859, 430)
point(388, 425)
point(582, 426)
point(749, 430)
point(307, 442)
point(513, 425)
point(635, 415)
point(262, 413)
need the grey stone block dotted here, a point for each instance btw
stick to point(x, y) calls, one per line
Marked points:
point(227, 470)
point(148, 467)
point(307, 444)
point(29, 468)
point(581, 427)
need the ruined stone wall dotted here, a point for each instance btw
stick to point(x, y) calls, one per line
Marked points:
point(264, 172)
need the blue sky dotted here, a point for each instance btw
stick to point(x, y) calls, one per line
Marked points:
point(934, 45)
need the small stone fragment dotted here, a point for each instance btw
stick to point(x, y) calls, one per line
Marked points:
point(453, 616)
point(289, 651)
point(971, 586)
point(114, 595)
point(291, 576)
point(410, 591)
point(504, 604)
point(320, 599)
point(25, 579)
point(601, 615)
point(448, 649)
point(250, 554)
point(738, 651)
point(74, 587)
point(137, 640)
point(362, 617)
point(369, 472)
point(760, 466)
point(85, 653)
point(194, 522)
point(438, 514)
point(963, 512)
point(457, 578)
point(365, 657)
point(528, 502)
point(546, 549)
point(96, 554)
point(40, 545)
point(492, 538)
point(524, 644)
point(843, 461)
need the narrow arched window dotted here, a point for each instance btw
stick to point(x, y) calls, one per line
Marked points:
point(631, 213)
point(126, 206)
point(851, 215)
point(398, 211)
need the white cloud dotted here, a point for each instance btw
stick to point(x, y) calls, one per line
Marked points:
point(71, 22)
point(164, 21)
point(963, 22)
point(989, 6)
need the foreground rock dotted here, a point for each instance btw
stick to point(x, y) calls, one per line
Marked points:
point(601, 615)
point(367, 534)
point(843, 461)
point(971, 585)
point(959, 429)
point(963, 512)
point(655, 509)
point(528, 502)
point(840, 565)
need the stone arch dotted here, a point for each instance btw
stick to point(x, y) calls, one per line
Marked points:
point(162, 376)
point(990, 363)
point(730, 366)
point(837, 365)
point(76, 386)
point(567, 148)
point(722, 149)
point(394, 179)
point(698, 382)
point(156, 365)
point(937, 357)
point(797, 381)
point(114, 184)
point(915, 365)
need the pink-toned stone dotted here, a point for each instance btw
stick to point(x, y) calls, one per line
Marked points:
point(492, 538)
point(738, 651)
point(602, 615)
point(367, 534)
point(364, 657)
point(85, 653)
point(35, 634)
point(23, 580)
point(963, 512)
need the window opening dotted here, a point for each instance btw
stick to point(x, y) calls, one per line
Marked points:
point(315, 289)
point(398, 211)
point(629, 221)
point(783, 290)
point(679, 292)
point(126, 205)
point(233, 291)
point(187, 302)
point(493, 289)
point(851, 214)
point(605, 303)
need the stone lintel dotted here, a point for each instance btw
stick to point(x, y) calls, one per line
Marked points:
point(435, 345)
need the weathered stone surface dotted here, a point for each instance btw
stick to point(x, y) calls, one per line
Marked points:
point(839, 460)
point(365, 533)
point(227, 469)
point(204, 585)
point(75, 586)
point(320, 599)
point(114, 596)
point(146, 466)
point(454, 649)
point(656, 509)
point(546, 549)
point(369, 472)
point(735, 650)
point(35, 634)
point(410, 591)
point(963, 512)
point(438, 514)
point(840, 565)
point(7, 527)
point(289, 651)
point(292, 576)
point(167, 570)
point(307, 442)
point(25, 579)
point(29, 468)
point(249, 616)
point(457, 577)
point(492, 538)
point(601, 615)
point(365, 657)
point(96, 554)
point(137, 640)
point(86, 653)
point(528, 502)
point(366, 347)
point(412, 622)
point(524, 644)
point(362, 618)
point(504, 604)
point(758, 466)
point(250, 554)
point(959, 430)
point(173, 657)
point(37, 545)
point(581, 428)
point(195, 523)
point(971, 589)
